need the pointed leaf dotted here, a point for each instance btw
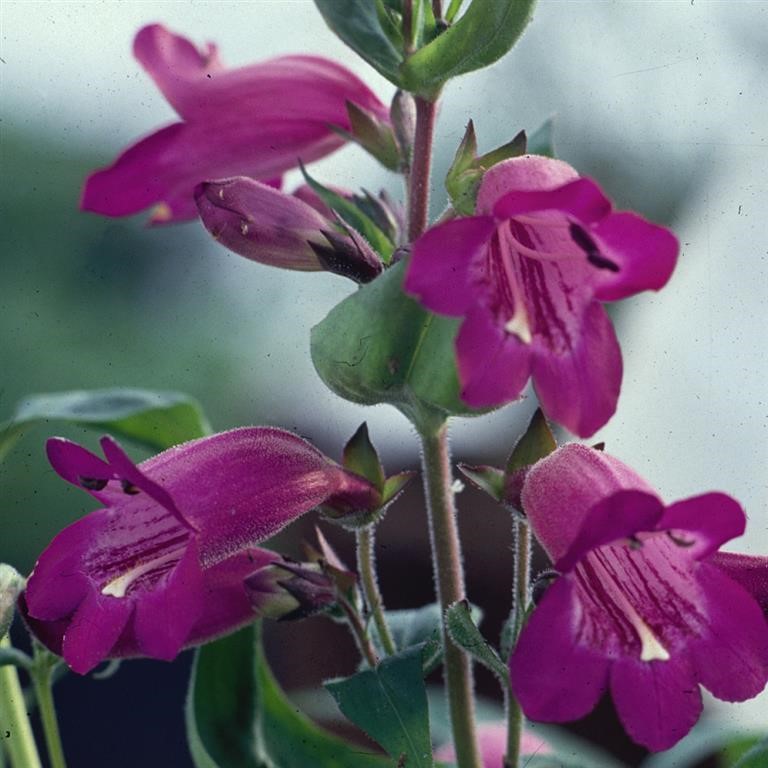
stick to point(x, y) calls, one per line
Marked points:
point(514, 148)
point(541, 141)
point(359, 25)
point(361, 457)
point(155, 419)
point(488, 479)
point(487, 30)
point(466, 635)
point(535, 443)
point(394, 485)
point(381, 346)
point(238, 717)
point(374, 136)
point(389, 703)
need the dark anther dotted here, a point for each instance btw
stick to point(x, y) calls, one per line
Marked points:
point(129, 488)
point(92, 483)
point(541, 583)
point(634, 542)
point(680, 542)
point(581, 237)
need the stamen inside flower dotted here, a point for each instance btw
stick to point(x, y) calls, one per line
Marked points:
point(119, 586)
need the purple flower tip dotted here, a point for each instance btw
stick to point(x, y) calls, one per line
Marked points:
point(162, 565)
point(644, 607)
point(529, 274)
point(257, 120)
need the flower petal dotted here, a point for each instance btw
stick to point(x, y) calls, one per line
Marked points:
point(261, 223)
point(644, 253)
point(712, 518)
point(440, 273)
point(554, 677)
point(580, 388)
point(80, 467)
point(560, 490)
point(748, 570)
point(731, 657)
point(658, 702)
point(528, 173)
point(494, 366)
point(618, 516)
point(93, 631)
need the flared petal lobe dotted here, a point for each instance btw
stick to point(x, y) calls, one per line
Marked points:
point(641, 598)
point(543, 251)
point(255, 121)
point(163, 565)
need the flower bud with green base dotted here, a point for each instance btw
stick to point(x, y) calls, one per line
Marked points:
point(11, 586)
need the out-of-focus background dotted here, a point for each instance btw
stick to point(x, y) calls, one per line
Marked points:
point(664, 102)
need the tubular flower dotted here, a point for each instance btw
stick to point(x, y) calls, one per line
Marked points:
point(162, 565)
point(528, 273)
point(492, 739)
point(290, 231)
point(642, 606)
point(257, 120)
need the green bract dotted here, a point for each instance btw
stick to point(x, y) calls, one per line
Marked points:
point(380, 346)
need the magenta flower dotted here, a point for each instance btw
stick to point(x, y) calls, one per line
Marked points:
point(161, 567)
point(492, 739)
point(641, 607)
point(528, 273)
point(290, 231)
point(255, 121)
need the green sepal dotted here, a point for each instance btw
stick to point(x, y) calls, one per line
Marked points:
point(390, 704)
point(541, 141)
point(534, 444)
point(373, 135)
point(394, 485)
point(464, 632)
point(360, 26)
point(381, 346)
point(486, 478)
point(487, 30)
point(157, 420)
point(11, 586)
point(360, 457)
point(353, 215)
point(238, 717)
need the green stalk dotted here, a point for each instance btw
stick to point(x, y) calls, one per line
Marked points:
point(522, 578)
point(366, 566)
point(449, 579)
point(14, 720)
point(42, 680)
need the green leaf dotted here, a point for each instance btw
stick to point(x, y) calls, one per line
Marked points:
point(536, 442)
point(486, 478)
point(390, 704)
point(354, 216)
point(361, 458)
point(541, 141)
point(486, 31)
point(466, 635)
point(155, 419)
point(359, 26)
point(238, 717)
point(415, 627)
point(757, 757)
point(375, 136)
point(380, 346)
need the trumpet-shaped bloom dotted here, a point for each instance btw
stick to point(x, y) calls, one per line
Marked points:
point(162, 565)
point(642, 606)
point(529, 274)
point(289, 231)
point(492, 739)
point(256, 121)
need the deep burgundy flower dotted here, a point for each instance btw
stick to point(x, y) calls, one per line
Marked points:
point(256, 121)
point(162, 565)
point(641, 608)
point(528, 274)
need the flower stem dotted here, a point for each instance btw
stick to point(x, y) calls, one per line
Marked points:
point(421, 164)
point(366, 565)
point(449, 579)
point(522, 577)
point(17, 738)
point(42, 680)
point(358, 632)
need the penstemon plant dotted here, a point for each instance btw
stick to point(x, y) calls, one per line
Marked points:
point(450, 318)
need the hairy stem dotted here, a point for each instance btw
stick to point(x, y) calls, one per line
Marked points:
point(421, 164)
point(522, 577)
point(366, 566)
point(359, 633)
point(42, 680)
point(449, 579)
point(17, 738)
